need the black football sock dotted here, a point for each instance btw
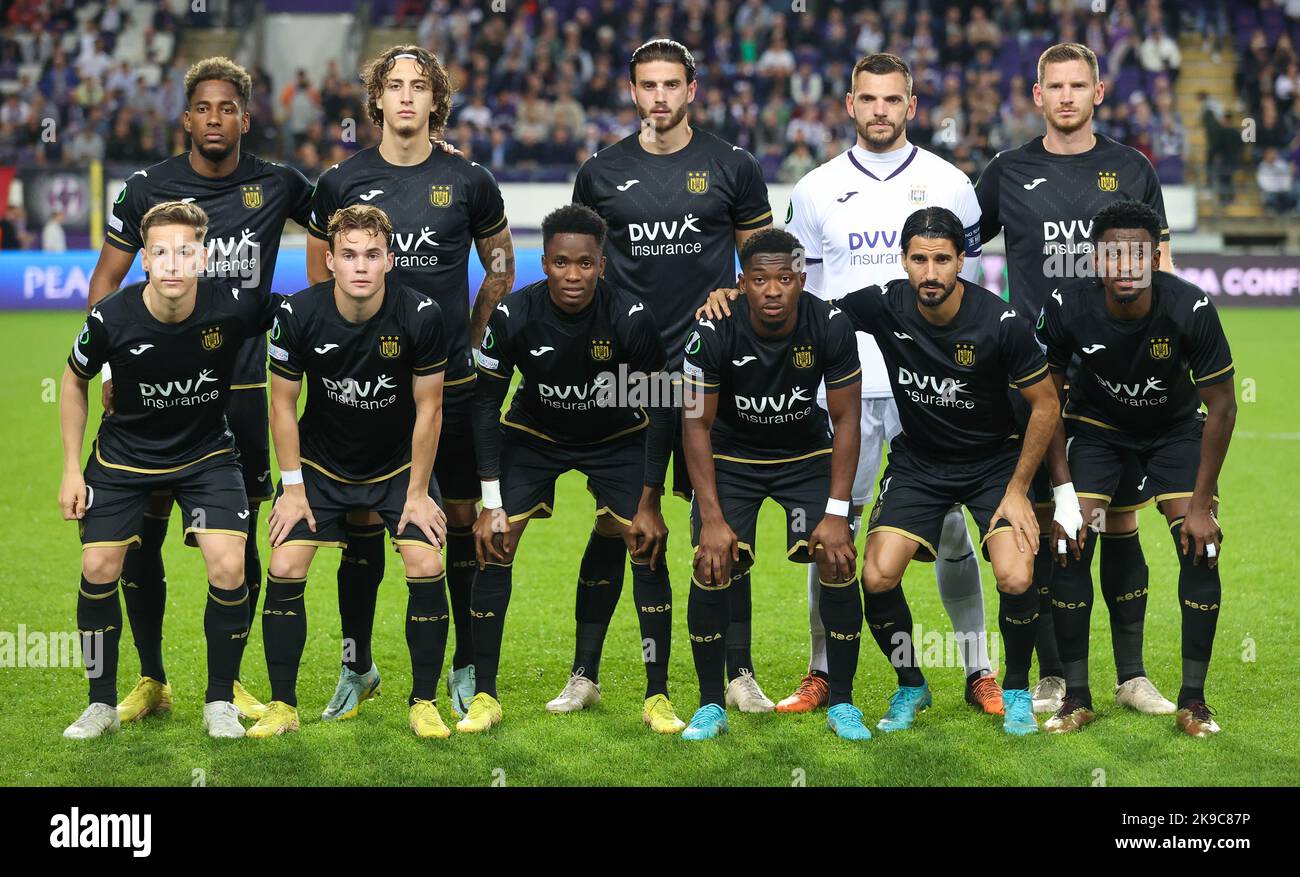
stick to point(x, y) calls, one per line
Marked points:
point(1018, 617)
point(653, 596)
point(360, 572)
point(252, 564)
point(600, 583)
point(890, 621)
point(99, 622)
point(739, 656)
point(144, 590)
point(225, 626)
point(461, 567)
point(1199, 595)
point(1045, 564)
point(840, 607)
point(707, 617)
point(284, 635)
point(1124, 588)
point(427, 622)
point(488, 606)
point(1071, 614)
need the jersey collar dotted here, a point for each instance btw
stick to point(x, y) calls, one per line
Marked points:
point(898, 170)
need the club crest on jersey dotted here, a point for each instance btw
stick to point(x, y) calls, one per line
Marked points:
point(697, 182)
point(917, 194)
point(440, 196)
point(211, 338)
point(964, 355)
point(1160, 348)
point(601, 349)
point(252, 196)
point(1108, 181)
point(390, 346)
point(803, 356)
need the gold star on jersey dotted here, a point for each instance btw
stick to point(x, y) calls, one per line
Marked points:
point(1160, 348)
point(602, 349)
point(1108, 181)
point(212, 338)
point(252, 196)
point(697, 182)
point(964, 354)
point(440, 196)
point(803, 356)
point(390, 346)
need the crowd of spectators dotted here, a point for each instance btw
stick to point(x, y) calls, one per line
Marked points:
point(542, 85)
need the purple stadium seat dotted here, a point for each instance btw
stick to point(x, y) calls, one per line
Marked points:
point(1170, 170)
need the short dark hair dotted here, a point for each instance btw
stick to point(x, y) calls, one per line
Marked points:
point(935, 222)
point(219, 69)
point(882, 64)
point(770, 240)
point(1126, 214)
point(662, 50)
point(573, 219)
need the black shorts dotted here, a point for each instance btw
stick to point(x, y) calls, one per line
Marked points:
point(210, 492)
point(916, 493)
point(246, 415)
point(456, 467)
point(331, 500)
point(529, 467)
point(1132, 493)
point(801, 487)
point(1170, 460)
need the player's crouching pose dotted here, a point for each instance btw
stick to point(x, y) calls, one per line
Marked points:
point(952, 348)
point(374, 355)
point(172, 342)
point(572, 337)
point(1138, 332)
point(752, 429)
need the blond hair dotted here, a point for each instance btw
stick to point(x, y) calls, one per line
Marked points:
point(1062, 52)
point(359, 217)
point(175, 213)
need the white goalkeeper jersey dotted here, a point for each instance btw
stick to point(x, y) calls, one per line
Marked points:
point(849, 215)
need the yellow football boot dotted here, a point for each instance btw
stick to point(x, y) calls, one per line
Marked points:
point(660, 716)
point(277, 718)
point(426, 723)
point(484, 712)
point(149, 696)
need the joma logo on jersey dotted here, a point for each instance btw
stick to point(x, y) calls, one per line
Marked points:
point(803, 356)
point(1108, 181)
point(1160, 348)
point(390, 346)
point(775, 404)
point(697, 182)
point(601, 349)
point(440, 196)
point(964, 355)
point(252, 196)
point(179, 388)
point(212, 338)
point(648, 231)
point(869, 239)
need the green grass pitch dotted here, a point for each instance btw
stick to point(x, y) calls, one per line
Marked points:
point(1253, 682)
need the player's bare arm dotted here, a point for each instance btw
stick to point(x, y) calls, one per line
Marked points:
point(73, 407)
point(832, 534)
point(1044, 419)
point(1200, 529)
point(497, 254)
point(1067, 518)
point(718, 548)
point(419, 508)
point(317, 270)
point(292, 505)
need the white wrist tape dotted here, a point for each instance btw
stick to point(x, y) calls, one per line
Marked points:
point(491, 494)
point(1066, 510)
point(837, 507)
point(107, 372)
point(1210, 550)
point(289, 477)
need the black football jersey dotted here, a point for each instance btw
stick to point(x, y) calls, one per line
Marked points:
point(1044, 203)
point(356, 425)
point(672, 221)
point(767, 387)
point(171, 381)
point(246, 215)
point(438, 209)
point(950, 382)
point(569, 363)
point(1140, 376)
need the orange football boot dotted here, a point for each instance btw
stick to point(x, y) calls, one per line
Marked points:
point(814, 692)
point(985, 694)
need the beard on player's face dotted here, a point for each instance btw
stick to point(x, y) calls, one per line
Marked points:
point(1069, 124)
point(880, 138)
point(663, 123)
